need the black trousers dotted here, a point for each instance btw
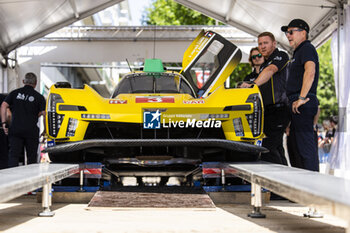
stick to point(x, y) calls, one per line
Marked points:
point(303, 136)
point(3, 150)
point(17, 144)
point(276, 119)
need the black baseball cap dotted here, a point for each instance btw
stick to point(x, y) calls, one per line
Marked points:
point(297, 23)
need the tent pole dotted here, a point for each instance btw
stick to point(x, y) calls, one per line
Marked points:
point(341, 78)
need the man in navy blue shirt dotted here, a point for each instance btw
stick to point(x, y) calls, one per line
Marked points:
point(301, 91)
point(26, 106)
point(272, 82)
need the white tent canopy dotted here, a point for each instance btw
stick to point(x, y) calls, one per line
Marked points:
point(22, 22)
point(256, 16)
point(25, 21)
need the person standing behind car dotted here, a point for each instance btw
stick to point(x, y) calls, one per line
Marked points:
point(256, 59)
point(26, 106)
point(301, 91)
point(271, 82)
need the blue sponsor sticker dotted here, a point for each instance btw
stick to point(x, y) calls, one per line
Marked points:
point(151, 120)
point(259, 142)
point(50, 143)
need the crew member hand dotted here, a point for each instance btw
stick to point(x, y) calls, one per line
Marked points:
point(297, 104)
point(246, 85)
point(6, 130)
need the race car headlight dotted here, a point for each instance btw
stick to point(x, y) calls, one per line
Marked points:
point(54, 119)
point(71, 108)
point(72, 126)
point(237, 124)
point(95, 116)
point(254, 119)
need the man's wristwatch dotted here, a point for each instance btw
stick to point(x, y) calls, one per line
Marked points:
point(302, 98)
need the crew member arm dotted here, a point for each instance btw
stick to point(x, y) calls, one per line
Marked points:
point(308, 78)
point(266, 74)
point(4, 107)
point(43, 113)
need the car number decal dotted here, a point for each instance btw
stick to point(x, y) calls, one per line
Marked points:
point(154, 99)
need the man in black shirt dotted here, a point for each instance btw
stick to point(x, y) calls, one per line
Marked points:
point(271, 81)
point(301, 91)
point(26, 106)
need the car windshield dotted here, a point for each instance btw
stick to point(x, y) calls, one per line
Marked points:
point(153, 83)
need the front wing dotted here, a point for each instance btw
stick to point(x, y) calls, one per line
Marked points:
point(221, 143)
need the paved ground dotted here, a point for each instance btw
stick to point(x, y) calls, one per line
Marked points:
point(20, 215)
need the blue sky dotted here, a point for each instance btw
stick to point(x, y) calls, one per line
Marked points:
point(137, 8)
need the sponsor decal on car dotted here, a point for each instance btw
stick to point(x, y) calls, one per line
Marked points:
point(50, 143)
point(259, 142)
point(118, 101)
point(193, 101)
point(152, 120)
point(155, 99)
point(208, 34)
point(192, 123)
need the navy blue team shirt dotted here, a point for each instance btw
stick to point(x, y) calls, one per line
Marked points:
point(274, 91)
point(25, 105)
point(303, 53)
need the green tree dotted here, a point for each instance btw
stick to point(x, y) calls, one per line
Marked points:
point(168, 12)
point(239, 73)
point(326, 85)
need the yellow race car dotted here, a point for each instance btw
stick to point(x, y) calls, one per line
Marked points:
point(158, 119)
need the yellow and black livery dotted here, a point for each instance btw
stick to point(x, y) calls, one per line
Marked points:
point(158, 115)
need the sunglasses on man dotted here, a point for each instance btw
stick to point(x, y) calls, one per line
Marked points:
point(290, 32)
point(257, 55)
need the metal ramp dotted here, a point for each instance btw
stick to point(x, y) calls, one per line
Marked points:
point(17, 181)
point(152, 197)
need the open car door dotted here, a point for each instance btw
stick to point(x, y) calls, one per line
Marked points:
point(209, 61)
